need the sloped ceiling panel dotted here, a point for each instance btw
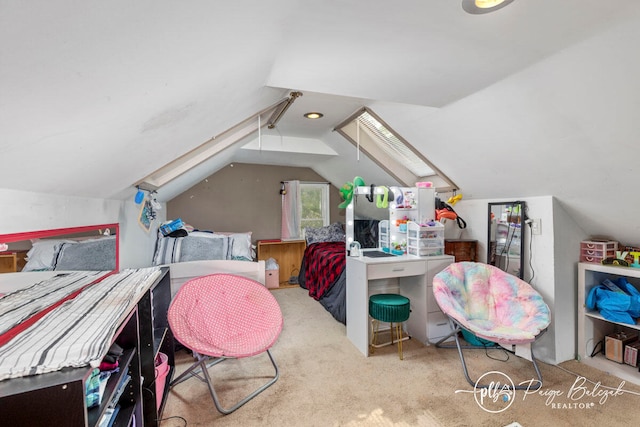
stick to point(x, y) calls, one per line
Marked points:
point(126, 86)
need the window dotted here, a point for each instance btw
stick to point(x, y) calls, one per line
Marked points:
point(214, 146)
point(304, 204)
point(390, 151)
point(314, 205)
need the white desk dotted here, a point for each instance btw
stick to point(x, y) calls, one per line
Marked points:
point(414, 278)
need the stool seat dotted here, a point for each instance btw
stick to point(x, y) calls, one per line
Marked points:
point(392, 308)
point(389, 308)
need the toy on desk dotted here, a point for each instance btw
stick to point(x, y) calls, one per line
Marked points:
point(620, 261)
point(444, 211)
point(424, 184)
point(430, 223)
point(355, 249)
point(347, 191)
point(382, 201)
point(454, 199)
point(398, 248)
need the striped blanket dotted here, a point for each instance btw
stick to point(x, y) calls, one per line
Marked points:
point(76, 333)
point(18, 306)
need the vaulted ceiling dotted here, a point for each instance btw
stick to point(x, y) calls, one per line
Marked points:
point(538, 98)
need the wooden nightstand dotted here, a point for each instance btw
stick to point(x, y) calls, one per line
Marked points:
point(12, 261)
point(287, 253)
point(461, 249)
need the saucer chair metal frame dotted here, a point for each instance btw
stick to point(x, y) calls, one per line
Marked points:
point(450, 288)
point(225, 316)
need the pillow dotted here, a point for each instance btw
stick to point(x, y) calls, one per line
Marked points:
point(42, 254)
point(330, 233)
point(89, 255)
point(198, 245)
point(165, 248)
point(196, 248)
point(241, 247)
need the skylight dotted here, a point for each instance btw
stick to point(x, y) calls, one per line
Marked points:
point(390, 151)
point(215, 145)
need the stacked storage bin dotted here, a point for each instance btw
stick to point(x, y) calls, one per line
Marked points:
point(595, 251)
point(425, 239)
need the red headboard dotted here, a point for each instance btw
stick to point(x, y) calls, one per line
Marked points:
point(67, 233)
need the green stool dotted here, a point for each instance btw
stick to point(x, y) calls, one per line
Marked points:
point(393, 309)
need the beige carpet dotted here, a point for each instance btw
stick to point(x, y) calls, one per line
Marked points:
point(325, 381)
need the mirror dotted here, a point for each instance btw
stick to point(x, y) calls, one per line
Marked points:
point(363, 217)
point(505, 248)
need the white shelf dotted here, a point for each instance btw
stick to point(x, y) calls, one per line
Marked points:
point(620, 370)
point(596, 315)
point(592, 326)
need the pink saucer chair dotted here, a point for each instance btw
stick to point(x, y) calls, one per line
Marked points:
point(490, 308)
point(225, 316)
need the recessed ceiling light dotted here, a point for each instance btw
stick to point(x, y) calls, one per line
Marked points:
point(483, 6)
point(313, 115)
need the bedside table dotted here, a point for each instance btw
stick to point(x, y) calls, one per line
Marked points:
point(287, 253)
point(12, 261)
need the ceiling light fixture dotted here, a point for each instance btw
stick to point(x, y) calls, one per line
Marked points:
point(313, 115)
point(477, 7)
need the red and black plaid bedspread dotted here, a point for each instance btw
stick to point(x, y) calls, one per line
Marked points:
point(325, 262)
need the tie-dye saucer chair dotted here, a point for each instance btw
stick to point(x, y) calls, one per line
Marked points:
point(490, 308)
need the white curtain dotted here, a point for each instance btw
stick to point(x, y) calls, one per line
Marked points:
point(291, 211)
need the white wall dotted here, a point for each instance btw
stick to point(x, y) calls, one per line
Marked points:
point(566, 246)
point(550, 265)
point(25, 211)
point(136, 245)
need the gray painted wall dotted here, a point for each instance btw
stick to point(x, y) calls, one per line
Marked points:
point(244, 197)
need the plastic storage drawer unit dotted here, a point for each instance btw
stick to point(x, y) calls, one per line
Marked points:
point(425, 239)
point(594, 251)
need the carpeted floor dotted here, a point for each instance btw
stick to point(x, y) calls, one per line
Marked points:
point(325, 381)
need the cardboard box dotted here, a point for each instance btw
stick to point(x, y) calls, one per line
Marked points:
point(272, 278)
point(614, 345)
point(631, 353)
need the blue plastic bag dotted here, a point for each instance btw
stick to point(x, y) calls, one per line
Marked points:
point(621, 305)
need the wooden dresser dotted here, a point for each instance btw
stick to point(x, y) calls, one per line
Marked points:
point(461, 249)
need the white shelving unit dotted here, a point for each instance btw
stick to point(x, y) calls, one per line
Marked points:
point(593, 327)
point(418, 205)
point(383, 234)
point(398, 220)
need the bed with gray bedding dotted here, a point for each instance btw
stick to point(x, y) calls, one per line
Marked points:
point(203, 245)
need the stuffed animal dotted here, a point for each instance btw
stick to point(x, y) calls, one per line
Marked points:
point(347, 191)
